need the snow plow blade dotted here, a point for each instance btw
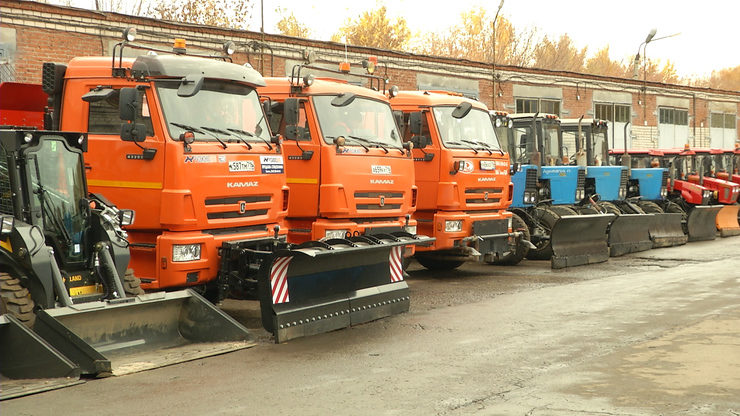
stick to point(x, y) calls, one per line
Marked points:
point(140, 333)
point(321, 286)
point(580, 239)
point(701, 222)
point(29, 364)
point(666, 230)
point(630, 233)
point(727, 221)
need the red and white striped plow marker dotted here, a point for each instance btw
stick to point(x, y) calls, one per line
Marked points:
point(279, 280)
point(396, 261)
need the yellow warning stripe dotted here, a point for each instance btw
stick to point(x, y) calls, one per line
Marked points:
point(124, 184)
point(6, 245)
point(302, 180)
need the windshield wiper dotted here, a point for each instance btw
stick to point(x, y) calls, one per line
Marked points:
point(187, 128)
point(241, 134)
point(359, 140)
point(213, 130)
point(370, 141)
point(463, 144)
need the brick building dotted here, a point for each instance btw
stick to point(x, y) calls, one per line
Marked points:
point(660, 115)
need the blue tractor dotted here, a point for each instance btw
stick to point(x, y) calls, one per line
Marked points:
point(546, 192)
point(586, 143)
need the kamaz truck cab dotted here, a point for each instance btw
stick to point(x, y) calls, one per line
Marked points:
point(546, 189)
point(463, 179)
point(184, 140)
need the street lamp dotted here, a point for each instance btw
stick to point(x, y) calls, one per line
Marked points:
point(650, 38)
point(493, 64)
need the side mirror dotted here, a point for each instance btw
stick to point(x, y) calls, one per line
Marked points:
point(290, 112)
point(514, 168)
point(128, 104)
point(398, 115)
point(190, 85)
point(462, 110)
point(267, 107)
point(420, 142)
point(133, 132)
point(415, 123)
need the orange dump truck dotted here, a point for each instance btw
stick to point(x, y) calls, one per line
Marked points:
point(185, 142)
point(463, 179)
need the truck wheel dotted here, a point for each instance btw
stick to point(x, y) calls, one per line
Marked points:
point(132, 284)
point(609, 207)
point(521, 250)
point(15, 300)
point(437, 264)
point(650, 207)
point(548, 217)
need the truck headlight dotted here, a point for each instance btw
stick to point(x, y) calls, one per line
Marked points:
point(6, 225)
point(411, 229)
point(663, 192)
point(335, 234)
point(185, 252)
point(453, 225)
point(622, 193)
point(126, 216)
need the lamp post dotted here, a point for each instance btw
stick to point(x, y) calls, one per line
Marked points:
point(650, 38)
point(493, 64)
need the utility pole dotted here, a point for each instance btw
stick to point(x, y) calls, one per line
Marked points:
point(493, 64)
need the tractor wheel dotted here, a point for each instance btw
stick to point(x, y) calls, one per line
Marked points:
point(587, 211)
point(432, 263)
point(521, 250)
point(15, 300)
point(650, 207)
point(674, 208)
point(547, 217)
point(132, 284)
point(609, 207)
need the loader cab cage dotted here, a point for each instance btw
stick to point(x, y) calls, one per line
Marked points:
point(473, 130)
point(54, 195)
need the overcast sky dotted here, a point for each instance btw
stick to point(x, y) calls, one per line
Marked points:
point(709, 29)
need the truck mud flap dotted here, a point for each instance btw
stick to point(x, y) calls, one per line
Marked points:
point(630, 233)
point(727, 221)
point(135, 334)
point(580, 239)
point(666, 230)
point(321, 286)
point(29, 364)
point(701, 222)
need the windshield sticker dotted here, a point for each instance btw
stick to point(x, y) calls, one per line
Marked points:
point(200, 159)
point(271, 164)
point(352, 150)
point(221, 158)
point(241, 166)
point(381, 170)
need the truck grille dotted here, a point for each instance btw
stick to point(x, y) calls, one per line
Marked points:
point(378, 200)
point(530, 181)
point(665, 178)
point(581, 178)
point(483, 195)
point(237, 207)
point(623, 178)
point(6, 202)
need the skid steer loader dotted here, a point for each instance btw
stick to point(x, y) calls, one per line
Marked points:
point(69, 304)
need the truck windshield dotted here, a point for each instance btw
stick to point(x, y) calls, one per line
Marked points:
point(474, 130)
point(551, 141)
point(599, 146)
point(58, 189)
point(229, 107)
point(363, 122)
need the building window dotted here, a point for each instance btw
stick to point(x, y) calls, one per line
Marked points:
point(613, 112)
point(674, 116)
point(537, 105)
point(723, 120)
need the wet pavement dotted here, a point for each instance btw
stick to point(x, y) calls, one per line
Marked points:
point(652, 333)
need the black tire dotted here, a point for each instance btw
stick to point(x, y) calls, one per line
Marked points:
point(431, 263)
point(609, 207)
point(132, 284)
point(674, 208)
point(516, 256)
point(650, 207)
point(587, 211)
point(547, 216)
point(15, 300)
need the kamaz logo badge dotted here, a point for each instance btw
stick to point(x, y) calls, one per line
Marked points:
point(242, 184)
point(242, 207)
point(381, 181)
point(382, 201)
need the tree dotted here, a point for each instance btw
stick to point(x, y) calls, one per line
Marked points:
point(725, 79)
point(559, 56)
point(233, 14)
point(602, 64)
point(290, 26)
point(374, 29)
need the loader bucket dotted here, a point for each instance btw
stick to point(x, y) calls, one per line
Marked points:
point(701, 222)
point(141, 333)
point(666, 230)
point(579, 239)
point(29, 364)
point(727, 221)
point(630, 233)
point(324, 286)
